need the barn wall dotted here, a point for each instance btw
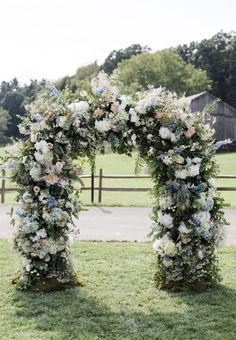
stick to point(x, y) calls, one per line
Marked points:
point(225, 116)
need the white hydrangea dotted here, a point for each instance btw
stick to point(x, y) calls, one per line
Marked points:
point(203, 217)
point(165, 202)
point(165, 133)
point(193, 170)
point(41, 233)
point(103, 125)
point(160, 243)
point(167, 160)
point(165, 219)
point(35, 173)
point(196, 160)
point(182, 174)
point(26, 263)
point(44, 158)
point(42, 146)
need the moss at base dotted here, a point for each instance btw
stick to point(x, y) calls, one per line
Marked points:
point(49, 284)
point(182, 286)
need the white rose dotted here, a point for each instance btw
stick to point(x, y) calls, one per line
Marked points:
point(170, 249)
point(79, 106)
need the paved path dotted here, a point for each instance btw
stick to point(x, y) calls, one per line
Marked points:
point(120, 224)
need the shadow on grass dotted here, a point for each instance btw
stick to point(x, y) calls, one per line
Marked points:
point(73, 314)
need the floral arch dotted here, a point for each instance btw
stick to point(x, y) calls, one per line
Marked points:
point(176, 144)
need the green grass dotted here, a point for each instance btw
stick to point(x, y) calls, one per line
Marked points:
point(121, 164)
point(119, 300)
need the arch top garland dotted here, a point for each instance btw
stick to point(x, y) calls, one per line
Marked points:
point(178, 147)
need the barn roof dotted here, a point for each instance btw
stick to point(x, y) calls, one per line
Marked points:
point(205, 97)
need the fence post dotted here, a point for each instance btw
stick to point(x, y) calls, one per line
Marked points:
point(92, 186)
point(3, 186)
point(100, 187)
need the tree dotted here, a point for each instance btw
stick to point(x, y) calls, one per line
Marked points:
point(217, 57)
point(117, 56)
point(231, 81)
point(13, 103)
point(81, 80)
point(4, 120)
point(164, 68)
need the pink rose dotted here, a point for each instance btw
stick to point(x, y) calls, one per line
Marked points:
point(158, 114)
point(50, 146)
point(114, 108)
point(52, 179)
point(190, 132)
point(98, 113)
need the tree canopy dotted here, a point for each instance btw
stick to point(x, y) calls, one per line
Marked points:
point(164, 68)
point(217, 56)
point(117, 56)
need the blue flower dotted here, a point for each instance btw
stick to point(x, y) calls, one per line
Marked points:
point(197, 223)
point(177, 150)
point(162, 156)
point(58, 120)
point(100, 90)
point(171, 127)
point(217, 145)
point(200, 188)
point(173, 186)
point(21, 213)
point(52, 202)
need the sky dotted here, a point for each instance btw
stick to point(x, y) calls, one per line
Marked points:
point(52, 38)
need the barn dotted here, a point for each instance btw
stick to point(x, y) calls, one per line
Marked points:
point(225, 115)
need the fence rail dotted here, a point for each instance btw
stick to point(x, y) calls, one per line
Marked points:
point(100, 188)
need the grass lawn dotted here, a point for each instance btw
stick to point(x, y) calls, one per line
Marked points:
point(121, 164)
point(119, 300)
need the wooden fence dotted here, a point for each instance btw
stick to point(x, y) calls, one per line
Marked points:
point(100, 188)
